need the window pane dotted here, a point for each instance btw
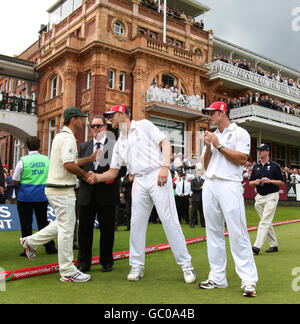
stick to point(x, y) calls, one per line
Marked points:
point(66, 9)
point(77, 4)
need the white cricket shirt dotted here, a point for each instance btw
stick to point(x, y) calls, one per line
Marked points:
point(234, 138)
point(140, 151)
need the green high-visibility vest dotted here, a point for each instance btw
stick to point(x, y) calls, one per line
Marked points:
point(33, 178)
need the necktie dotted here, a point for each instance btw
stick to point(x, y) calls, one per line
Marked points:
point(183, 186)
point(98, 144)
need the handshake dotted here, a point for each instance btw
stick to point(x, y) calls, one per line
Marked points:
point(90, 178)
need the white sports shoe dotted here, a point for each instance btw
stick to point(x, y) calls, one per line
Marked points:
point(209, 284)
point(249, 291)
point(189, 274)
point(135, 274)
point(30, 252)
point(77, 277)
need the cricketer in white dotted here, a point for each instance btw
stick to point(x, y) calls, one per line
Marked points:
point(145, 150)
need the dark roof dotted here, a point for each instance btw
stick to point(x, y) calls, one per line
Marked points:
point(16, 60)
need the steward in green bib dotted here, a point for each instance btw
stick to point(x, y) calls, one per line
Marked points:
point(31, 176)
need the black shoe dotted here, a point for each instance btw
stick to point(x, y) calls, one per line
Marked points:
point(255, 250)
point(192, 226)
point(272, 249)
point(107, 268)
point(83, 268)
point(51, 251)
point(23, 254)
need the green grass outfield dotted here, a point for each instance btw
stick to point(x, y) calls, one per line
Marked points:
point(163, 282)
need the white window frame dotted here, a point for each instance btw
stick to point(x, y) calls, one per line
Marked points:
point(119, 29)
point(89, 79)
point(54, 83)
point(111, 78)
point(122, 81)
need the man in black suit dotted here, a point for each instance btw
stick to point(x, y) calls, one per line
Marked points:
point(99, 199)
point(2, 184)
point(196, 187)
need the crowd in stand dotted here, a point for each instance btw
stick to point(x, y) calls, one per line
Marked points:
point(290, 175)
point(243, 64)
point(173, 13)
point(264, 101)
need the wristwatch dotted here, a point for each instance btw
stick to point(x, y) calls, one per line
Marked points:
point(220, 148)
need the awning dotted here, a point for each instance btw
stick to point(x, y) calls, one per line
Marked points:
point(17, 68)
point(191, 8)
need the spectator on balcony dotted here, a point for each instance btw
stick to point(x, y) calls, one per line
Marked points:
point(286, 175)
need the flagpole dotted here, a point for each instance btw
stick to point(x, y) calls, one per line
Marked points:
point(165, 22)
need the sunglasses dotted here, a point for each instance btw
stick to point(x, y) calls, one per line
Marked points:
point(97, 126)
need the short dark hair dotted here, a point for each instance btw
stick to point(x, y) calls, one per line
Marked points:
point(100, 117)
point(33, 143)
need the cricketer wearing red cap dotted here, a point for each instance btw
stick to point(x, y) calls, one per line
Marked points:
point(145, 150)
point(226, 151)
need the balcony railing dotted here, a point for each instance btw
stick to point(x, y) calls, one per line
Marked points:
point(252, 80)
point(16, 104)
point(266, 114)
point(172, 97)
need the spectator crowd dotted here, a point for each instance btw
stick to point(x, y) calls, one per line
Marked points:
point(173, 13)
point(243, 64)
point(264, 101)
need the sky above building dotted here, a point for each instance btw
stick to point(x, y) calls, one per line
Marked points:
point(268, 27)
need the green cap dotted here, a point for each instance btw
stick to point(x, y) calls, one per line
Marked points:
point(73, 112)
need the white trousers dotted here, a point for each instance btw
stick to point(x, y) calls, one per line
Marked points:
point(62, 229)
point(223, 200)
point(266, 208)
point(145, 194)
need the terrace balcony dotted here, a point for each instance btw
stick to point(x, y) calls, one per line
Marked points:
point(238, 78)
point(268, 120)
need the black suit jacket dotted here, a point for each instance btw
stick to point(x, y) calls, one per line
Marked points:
point(2, 181)
point(196, 188)
point(107, 193)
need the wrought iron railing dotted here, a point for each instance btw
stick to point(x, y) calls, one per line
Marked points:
point(17, 104)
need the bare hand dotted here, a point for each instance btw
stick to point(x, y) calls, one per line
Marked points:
point(91, 178)
point(96, 155)
point(163, 176)
point(265, 180)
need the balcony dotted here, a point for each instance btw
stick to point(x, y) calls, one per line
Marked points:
point(272, 121)
point(16, 104)
point(171, 102)
point(238, 78)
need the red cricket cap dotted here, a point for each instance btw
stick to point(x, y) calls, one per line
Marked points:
point(217, 105)
point(115, 109)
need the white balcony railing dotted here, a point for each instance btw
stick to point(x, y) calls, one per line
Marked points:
point(172, 97)
point(267, 114)
point(253, 80)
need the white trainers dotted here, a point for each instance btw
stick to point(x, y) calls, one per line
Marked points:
point(189, 274)
point(135, 274)
point(30, 252)
point(77, 277)
point(209, 284)
point(249, 291)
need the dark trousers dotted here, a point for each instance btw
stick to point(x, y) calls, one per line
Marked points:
point(106, 219)
point(128, 203)
point(183, 204)
point(197, 206)
point(25, 210)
